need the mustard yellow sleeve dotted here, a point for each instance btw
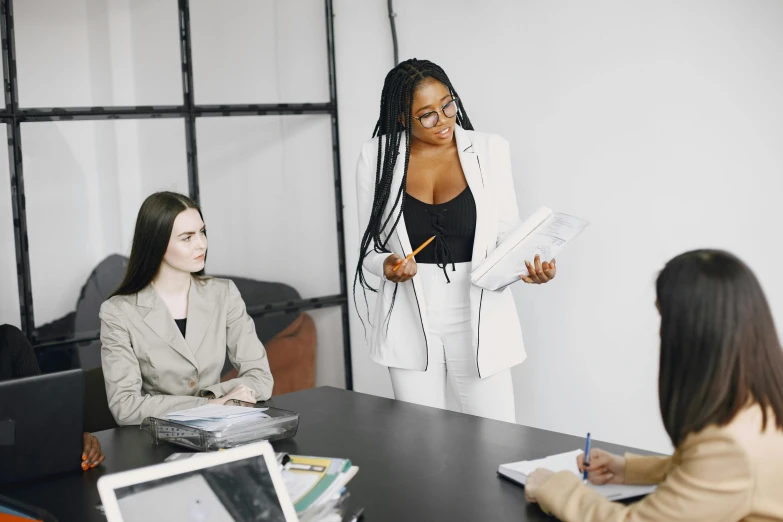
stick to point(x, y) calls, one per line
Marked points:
point(646, 470)
point(712, 480)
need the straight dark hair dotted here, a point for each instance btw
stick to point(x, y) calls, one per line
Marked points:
point(719, 347)
point(151, 239)
point(396, 107)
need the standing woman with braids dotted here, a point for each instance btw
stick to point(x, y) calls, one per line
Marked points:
point(427, 173)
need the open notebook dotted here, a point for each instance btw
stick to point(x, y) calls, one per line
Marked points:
point(518, 472)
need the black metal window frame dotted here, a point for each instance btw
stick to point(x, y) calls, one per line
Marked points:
point(13, 115)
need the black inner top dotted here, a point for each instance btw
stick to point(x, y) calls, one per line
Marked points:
point(453, 224)
point(182, 324)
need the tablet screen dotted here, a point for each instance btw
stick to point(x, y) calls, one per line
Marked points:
point(239, 491)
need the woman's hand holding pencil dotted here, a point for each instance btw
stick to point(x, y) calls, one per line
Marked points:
point(406, 268)
point(399, 270)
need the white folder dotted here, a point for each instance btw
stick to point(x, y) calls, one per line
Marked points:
point(544, 233)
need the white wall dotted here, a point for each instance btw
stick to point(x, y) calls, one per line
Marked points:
point(84, 185)
point(660, 122)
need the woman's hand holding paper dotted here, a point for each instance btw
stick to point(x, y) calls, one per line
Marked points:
point(540, 273)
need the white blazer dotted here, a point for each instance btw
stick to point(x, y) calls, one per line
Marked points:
point(497, 335)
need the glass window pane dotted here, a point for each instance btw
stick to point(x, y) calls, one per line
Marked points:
point(97, 53)
point(267, 192)
point(9, 297)
point(84, 184)
point(259, 51)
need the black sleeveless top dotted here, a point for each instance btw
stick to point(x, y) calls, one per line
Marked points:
point(453, 224)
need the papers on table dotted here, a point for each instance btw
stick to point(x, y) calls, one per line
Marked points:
point(316, 485)
point(213, 417)
point(519, 471)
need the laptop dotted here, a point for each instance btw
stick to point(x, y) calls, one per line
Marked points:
point(41, 421)
point(234, 485)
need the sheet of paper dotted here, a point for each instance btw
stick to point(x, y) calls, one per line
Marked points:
point(545, 238)
point(556, 463)
point(217, 418)
point(511, 241)
point(548, 238)
point(215, 411)
point(299, 484)
point(567, 462)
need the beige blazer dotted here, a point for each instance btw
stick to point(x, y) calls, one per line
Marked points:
point(727, 473)
point(151, 370)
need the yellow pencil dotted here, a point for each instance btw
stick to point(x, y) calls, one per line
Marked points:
point(409, 256)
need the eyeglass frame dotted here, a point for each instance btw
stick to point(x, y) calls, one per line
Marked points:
point(453, 100)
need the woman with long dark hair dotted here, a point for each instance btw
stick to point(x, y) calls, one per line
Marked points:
point(166, 329)
point(720, 388)
point(427, 173)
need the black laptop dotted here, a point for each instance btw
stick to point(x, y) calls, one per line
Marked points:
point(41, 422)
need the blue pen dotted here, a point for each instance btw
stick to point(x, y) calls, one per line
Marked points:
point(587, 458)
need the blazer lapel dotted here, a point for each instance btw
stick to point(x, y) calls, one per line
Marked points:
point(160, 321)
point(471, 166)
point(200, 308)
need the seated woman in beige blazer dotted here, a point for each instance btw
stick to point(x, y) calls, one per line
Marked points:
point(165, 331)
point(720, 388)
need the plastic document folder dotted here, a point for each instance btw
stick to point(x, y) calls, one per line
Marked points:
point(211, 427)
point(518, 472)
point(544, 233)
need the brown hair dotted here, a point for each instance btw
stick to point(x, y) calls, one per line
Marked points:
point(719, 347)
point(151, 239)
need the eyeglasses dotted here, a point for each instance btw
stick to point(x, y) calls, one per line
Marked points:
point(431, 119)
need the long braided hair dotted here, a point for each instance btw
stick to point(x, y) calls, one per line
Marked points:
point(396, 108)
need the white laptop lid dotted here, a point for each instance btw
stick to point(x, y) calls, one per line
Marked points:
point(235, 485)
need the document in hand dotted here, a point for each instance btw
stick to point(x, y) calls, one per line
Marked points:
point(544, 233)
point(519, 471)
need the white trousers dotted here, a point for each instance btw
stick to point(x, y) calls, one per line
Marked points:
point(451, 380)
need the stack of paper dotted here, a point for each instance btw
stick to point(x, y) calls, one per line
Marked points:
point(519, 471)
point(212, 417)
point(317, 485)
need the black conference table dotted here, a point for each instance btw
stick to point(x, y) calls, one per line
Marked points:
point(416, 463)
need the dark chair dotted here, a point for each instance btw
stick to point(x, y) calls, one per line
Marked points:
point(97, 416)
